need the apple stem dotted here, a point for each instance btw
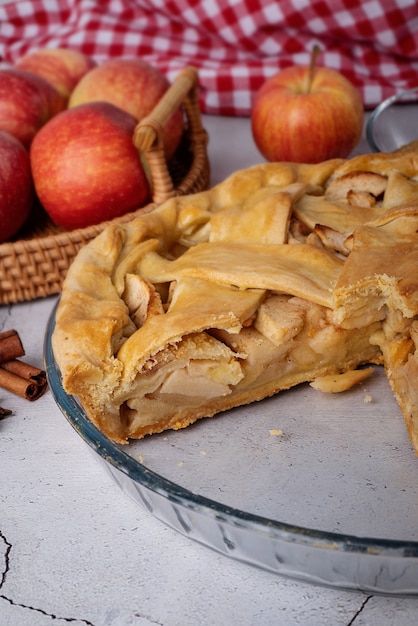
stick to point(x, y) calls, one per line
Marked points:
point(312, 65)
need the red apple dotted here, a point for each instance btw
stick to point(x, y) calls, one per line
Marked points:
point(133, 85)
point(61, 67)
point(85, 166)
point(27, 101)
point(307, 115)
point(16, 186)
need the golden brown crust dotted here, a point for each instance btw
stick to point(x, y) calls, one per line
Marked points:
point(282, 274)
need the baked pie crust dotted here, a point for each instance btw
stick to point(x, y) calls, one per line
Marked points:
point(282, 274)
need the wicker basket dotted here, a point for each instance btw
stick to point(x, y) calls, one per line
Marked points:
point(35, 265)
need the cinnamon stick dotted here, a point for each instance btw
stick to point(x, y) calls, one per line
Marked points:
point(10, 345)
point(4, 412)
point(26, 371)
point(18, 377)
point(23, 379)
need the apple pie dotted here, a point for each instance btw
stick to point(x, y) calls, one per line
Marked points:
point(282, 274)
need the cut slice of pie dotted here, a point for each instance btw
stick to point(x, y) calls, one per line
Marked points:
point(282, 274)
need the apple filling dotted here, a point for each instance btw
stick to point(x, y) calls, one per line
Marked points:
point(280, 275)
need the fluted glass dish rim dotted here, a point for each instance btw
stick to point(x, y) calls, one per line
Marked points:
point(351, 562)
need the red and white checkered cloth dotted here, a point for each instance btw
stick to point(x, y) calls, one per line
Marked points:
point(235, 44)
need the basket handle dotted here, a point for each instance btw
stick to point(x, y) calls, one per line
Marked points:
point(148, 132)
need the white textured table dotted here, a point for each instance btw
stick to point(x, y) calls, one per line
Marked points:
point(75, 550)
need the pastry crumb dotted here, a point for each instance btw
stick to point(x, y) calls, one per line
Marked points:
point(275, 432)
point(202, 453)
point(368, 398)
point(180, 464)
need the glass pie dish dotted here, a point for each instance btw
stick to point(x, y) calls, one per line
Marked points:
point(317, 487)
point(389, 125)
